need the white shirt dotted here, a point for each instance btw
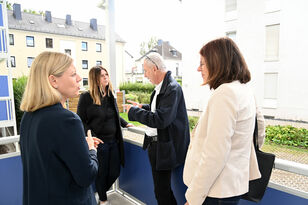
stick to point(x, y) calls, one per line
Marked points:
point(149, 130)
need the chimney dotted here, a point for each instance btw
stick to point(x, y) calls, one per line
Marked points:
point(93, 24)
point(68, 20)
point(48, 16)
point(17, 11)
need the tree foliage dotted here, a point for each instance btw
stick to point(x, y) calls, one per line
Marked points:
point(147, 46)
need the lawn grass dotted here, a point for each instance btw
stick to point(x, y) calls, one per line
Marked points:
point(125, 117)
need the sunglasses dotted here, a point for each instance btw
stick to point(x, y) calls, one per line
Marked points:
point(152, 61)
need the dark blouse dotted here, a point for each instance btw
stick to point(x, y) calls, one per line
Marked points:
point(102, 119)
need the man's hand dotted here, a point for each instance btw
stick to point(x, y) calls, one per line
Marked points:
point(132, 103)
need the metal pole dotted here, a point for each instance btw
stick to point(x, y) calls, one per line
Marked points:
point(110, 39)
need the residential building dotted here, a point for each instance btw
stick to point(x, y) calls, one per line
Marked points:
point(31, 34)
point(171, 56)
point(273, 39)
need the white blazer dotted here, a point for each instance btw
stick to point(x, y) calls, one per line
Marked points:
point(221, 159)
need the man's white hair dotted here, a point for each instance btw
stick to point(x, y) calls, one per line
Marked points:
point(155, 59)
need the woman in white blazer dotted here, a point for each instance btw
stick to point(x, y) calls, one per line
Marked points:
point(221, 158)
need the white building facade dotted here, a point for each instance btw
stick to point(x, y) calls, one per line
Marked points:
point(272, 35)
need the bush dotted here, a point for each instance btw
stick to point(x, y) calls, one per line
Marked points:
point(140, 97)
point(192, 122)
point(137, 87)
point(287, 135)
point(19, 86)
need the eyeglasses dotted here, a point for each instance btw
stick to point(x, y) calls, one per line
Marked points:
point(152, 61)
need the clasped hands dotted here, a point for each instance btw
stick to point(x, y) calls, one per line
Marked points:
point(132, 103)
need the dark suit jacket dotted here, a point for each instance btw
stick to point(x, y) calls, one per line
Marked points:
point(93, 116)
point(171, 121)
point(58, 167)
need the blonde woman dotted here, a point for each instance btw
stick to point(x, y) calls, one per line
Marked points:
point(99, 113)
point(59, 163)
point(221, 160)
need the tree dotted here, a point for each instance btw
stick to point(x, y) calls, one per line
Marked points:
point(147, 46)
point(102, 4)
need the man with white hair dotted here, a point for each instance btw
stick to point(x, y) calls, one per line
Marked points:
point(167, 135)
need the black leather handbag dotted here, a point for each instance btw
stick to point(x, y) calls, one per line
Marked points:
point(266, 161)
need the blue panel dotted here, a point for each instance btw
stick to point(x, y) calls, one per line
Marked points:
point(3, 111)
point(1, 42)
point(273, 196)
point(4, 86)
point(11, 181)
point(1, 15)
point(4, 41)
point(136, 177)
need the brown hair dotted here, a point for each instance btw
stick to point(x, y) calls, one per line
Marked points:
point(225, 62)
point(96, 91)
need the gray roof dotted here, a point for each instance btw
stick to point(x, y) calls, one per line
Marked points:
point(37, 23)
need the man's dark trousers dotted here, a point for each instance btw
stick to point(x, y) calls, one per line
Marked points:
point(161, 179)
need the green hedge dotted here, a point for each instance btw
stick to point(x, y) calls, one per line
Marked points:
point(19, 86)
point(192, 122)
point(281, 135)
point(137, 87)
point(140, 97)
point(287, 135)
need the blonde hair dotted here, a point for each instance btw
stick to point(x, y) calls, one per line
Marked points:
point(38, 92)
point(95, 90)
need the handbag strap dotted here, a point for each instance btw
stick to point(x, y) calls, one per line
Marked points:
point(255, 135)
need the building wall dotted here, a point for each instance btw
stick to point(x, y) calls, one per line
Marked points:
point(60, 42)
point(249, 22)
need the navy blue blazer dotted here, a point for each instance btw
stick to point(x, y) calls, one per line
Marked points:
point(171, 121)
point(58, 167)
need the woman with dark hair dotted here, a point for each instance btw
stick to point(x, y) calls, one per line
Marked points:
point(221, 159)
point(99, 113)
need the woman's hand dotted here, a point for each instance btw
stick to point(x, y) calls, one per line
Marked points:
point(186, 203)
point(92, 141)
point(97, 141)
point(129, 125)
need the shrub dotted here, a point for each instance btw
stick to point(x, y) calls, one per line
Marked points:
point(287, 135)
point(19, 86)
point(139, 87)
point(192, 122)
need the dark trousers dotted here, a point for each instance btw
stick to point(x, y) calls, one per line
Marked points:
point(222, 201)
point(162, 180)
point(108, 156)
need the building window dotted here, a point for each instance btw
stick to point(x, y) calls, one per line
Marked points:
point(11, 37)
point(230, 5)
point(68, 51)
point(232, 35)
point(98, 62)
point(85, 81)
point(84, 64)
point(98, 47)
point(272, 42)
point(30, 41)
point(29, 61)
point(270, 85)
point(13, 62)
point(84, 46)
point(49, 43)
